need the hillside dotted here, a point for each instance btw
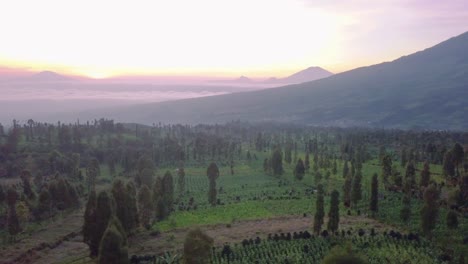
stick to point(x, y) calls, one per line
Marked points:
point(426, 89)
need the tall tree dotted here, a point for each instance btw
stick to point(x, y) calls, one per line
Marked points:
point(356, 192)
point(299, 170)
point(307, 161)
point(386, 168)
point(12, 221)
point(374, 206)
point(430, 209)
point(145, 206)
point(181, 181)
point(345, 169)
point(319, 210)
point(425, 175)
point(277, 162)
point(113, 246)
point(347, 187)
point(410, 175)
point(89, 225)
point(92, 172)
point(213, 174)
point(458, 155)
point(334, 213)
point(104, 212)
point(197, 247)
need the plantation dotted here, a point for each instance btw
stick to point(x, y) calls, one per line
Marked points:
point(151, 185)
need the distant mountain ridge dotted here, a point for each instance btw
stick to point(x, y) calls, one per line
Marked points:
point(307, 75)
point(427, 89)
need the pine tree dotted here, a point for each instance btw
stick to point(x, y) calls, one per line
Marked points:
point(430, 209)
point(425, 175)
point(168, 191)
point(145, 206)
point(181, 181)
point(410, 175)
point(92, 172)
point(277, 162)
point(319, 210)
point(345, 169)
point(356, 192)
point(197, 247)
point(12, 219)
point(104, 212)
point(374, 206)
point(132, 205)
point(299, 170)
point(334, 213)
point(386, 169)
point(89, 225)
point(287, 154)
point(307, 161)
point(347, 187)
point(213, 174)
point(113, 246)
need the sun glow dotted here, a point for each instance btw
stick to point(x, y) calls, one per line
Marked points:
point(103, 38)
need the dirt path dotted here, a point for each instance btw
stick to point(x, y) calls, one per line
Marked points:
point(173, 240)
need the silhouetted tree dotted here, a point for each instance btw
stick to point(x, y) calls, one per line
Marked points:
point(425, 175)
point(277, 162)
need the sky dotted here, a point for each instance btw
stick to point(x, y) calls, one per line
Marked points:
point(257, 38)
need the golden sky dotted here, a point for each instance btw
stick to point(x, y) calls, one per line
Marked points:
point(257, 38)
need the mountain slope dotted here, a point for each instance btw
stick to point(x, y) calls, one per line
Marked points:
point(427, 89)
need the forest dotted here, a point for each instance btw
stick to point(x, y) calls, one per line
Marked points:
point(109, 192)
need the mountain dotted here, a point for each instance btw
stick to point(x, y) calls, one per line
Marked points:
point(307, 75)
point(47, 76)
point(427, 89)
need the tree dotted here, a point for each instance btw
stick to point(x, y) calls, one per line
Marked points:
point(335, 167)
point(12, 220)
point(405, 212)
point(168, 190)
point(347, 187)
point(345, 169)
point(113, 246)
point(145, 177)
point(448, 164)
point(299, 170)
point(452, 220)
point(307, 161)
point(425, 175)
point(277, 162)
point(386, 168)
point(374, 206)
point(197, 247)
point(44, 203)
point(404, 158)
point(334, 213)
point(92, 172)
point(181, 181)
point(145, 206)
point(319, 210)
point(104, 212)
point(213, 174)
point(430, 209)
point(287, 153)
point(458, 154)
point(89, 225)
point(410, 176)
point(356, 192)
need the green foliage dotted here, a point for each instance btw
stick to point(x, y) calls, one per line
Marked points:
point(425, 175)
point(452, 220)
point(356, 192)
point(197, 247)
point(180, 181)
